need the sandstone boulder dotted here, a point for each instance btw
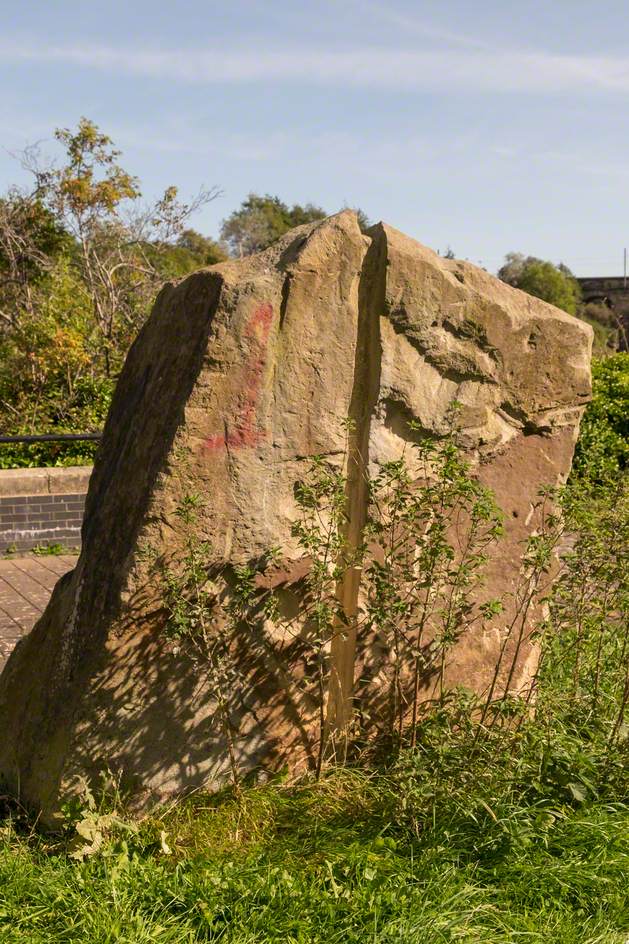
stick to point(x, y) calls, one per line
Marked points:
point(242, 373)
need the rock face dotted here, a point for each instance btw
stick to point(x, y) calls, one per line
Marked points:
point(242, 373)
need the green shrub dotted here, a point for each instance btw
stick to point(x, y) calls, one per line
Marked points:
point(50, 381)
point(603, 447)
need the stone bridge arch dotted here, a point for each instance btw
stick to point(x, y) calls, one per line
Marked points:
point(612, 291)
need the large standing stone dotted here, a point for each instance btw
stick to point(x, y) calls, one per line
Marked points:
point(242, 373)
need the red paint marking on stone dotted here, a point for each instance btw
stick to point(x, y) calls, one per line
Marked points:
point(244, 433)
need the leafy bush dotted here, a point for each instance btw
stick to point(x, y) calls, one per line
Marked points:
point(422, 557)
point(603, 447)
point(49, 378)
point(80, 265)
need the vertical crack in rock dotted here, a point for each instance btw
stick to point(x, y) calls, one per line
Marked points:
point(365, 392)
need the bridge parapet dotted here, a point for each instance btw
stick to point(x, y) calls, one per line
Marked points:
point(595, 285)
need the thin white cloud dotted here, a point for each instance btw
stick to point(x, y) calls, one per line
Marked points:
point(383, 67)
point(387, 14)
point(371, 153)
point(410, 154)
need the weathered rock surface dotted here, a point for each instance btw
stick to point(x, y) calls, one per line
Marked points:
point(242, 373)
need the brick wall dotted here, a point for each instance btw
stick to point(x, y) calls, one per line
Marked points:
point(42, 506)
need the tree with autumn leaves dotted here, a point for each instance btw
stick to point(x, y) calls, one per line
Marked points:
point(81, 260)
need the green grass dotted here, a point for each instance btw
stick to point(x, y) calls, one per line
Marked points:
point(351, 859)
point(512, 828)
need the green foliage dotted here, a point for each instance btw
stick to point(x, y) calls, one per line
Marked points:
point(49, 381)
point(553, 284)
point(91, 182)
point(195, 621)
point(262, 220)
point(357, 857)
point(421, 557)
point(320, 534)
point(603, 447)
point(363, 220)
point(54, 549)
point(586, 686)
point(494, 826)
point(204, 250)
point(428, 536)
point(191, 251)
point(94, 199)
point(426, 541)
point(82, 223)
point(30, 238)
point(80, 265)
point(203, 612)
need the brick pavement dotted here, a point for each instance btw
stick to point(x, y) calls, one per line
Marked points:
point(25, 587)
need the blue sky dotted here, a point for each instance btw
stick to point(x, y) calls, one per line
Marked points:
point(489, 126)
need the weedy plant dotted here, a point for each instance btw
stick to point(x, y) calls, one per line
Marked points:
point(205, 611)
point(588, 646)
point(429, 531)
point(198, 621)
point(538, 566)
point(322, 500)
point(428, 535)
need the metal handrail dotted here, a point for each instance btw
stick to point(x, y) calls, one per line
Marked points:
point(52, 437)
